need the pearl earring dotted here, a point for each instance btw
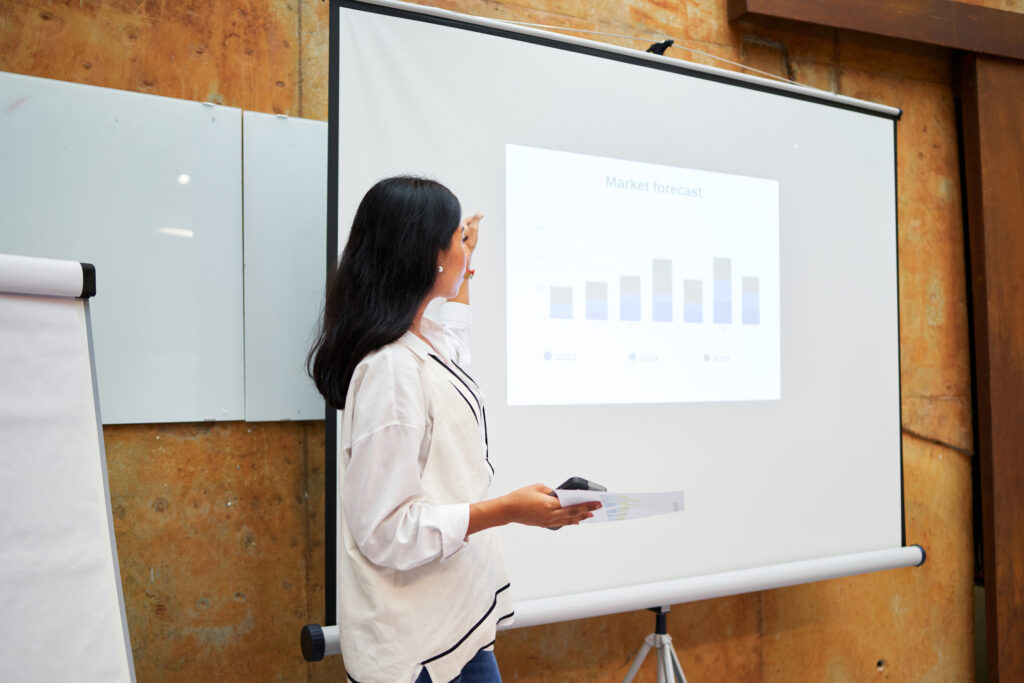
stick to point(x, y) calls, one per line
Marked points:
point(440, 269)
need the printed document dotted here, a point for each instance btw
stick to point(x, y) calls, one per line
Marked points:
point(618, 507)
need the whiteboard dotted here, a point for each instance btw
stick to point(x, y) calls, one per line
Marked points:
point(149, 189)
point(285, 170)
point(61, 607)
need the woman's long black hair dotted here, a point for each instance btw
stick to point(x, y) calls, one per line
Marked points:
point(386, 270)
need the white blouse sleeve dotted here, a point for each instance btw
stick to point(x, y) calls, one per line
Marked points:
point(385, 504)
point(457, 320)
point(385, 508)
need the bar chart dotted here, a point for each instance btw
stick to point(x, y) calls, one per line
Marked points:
point(662, 307)
point(616, 294)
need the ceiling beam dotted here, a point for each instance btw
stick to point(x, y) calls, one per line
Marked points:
point(937, 22)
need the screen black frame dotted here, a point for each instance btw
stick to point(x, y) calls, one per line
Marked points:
point(415, 13)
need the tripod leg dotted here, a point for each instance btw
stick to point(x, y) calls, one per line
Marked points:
point(677, 668)
point(637, 661)
point(665, 659)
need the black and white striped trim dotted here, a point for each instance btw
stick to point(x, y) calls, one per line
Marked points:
point(461, 640)
point(476, 398)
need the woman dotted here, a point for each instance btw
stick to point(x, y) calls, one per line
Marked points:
point(421, 578)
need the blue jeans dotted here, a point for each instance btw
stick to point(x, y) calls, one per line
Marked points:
point(483, 668)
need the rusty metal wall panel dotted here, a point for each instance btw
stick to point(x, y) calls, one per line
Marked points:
point(215, 546)
point(242, 54)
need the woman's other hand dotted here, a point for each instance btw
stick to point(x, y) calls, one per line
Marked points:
point(531, 505)
point(535, 506)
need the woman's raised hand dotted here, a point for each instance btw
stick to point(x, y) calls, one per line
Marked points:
point(471, 227)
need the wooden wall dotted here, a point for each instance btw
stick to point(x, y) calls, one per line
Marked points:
point(219, 525)
point(993, 122)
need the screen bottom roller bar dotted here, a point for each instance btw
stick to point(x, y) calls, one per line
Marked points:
point(317, 641)
point(676, 591)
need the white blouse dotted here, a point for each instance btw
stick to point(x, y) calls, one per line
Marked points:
point(413, 592)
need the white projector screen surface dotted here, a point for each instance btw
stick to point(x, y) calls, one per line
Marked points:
point(685, 280)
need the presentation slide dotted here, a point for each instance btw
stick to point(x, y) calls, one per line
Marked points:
point(633, 282)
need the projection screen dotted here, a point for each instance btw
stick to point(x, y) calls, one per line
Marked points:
point(686, 279)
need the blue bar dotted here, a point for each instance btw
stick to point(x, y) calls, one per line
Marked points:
point(751, 309)
point(693, 313)
point(629, 306)
point(723, 301)
point(561, 311)
point(693, 301)
point(662, 308)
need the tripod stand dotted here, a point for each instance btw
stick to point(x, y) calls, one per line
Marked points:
point(669, 669)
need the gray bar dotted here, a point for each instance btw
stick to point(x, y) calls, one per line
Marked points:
point(561, 295)
point(597, 291)
point(662, 276)
point(723, 269)
point(693, 291)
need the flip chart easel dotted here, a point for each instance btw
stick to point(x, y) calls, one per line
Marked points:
point(62, 613)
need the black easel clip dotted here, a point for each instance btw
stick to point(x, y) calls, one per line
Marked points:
point(659, 48)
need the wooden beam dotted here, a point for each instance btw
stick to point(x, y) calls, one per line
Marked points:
point(992, 92)
point(937, 22)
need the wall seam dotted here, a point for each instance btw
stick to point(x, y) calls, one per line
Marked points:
point(761, 634)
point(298, 71)
point(836, 71)
point(936, 442)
